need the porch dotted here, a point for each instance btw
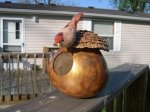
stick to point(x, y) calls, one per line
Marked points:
point(127, 88)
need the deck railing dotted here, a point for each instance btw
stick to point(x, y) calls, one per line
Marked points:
point(133, 92)
point(127, 90)
point(23, 75)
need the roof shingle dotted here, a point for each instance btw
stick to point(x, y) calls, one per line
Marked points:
point(71, 9)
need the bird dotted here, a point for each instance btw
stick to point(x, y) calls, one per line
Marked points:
point(67, 36)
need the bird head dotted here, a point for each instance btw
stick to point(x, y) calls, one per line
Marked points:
point(67, 37)
point(58, 39)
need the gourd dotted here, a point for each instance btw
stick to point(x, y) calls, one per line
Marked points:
point(81, 70)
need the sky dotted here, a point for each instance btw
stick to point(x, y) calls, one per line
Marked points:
point(94, 3)
point(104, 4)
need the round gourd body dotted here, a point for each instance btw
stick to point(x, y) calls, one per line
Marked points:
point(78, 73)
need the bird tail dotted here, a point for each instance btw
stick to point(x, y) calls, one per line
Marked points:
point(75, 19)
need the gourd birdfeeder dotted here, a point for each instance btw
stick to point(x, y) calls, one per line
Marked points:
point(80, 71)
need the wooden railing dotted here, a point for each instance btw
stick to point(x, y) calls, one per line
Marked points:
point(127, 90)
point(23, 76)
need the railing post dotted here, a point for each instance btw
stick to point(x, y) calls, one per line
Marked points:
point(43, 72)
point(136, 95)
point(17, 77)
point(9, 69)
point(148, 92)
point(45, 60)
point(1, 76)
point(51, 86)
point(26, 75)
point(34, 77)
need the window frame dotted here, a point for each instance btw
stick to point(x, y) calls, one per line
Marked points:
point(22, 29)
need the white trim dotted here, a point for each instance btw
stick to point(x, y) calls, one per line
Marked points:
point(87, 24)
point(1, 37)
point(107, 35)
point(117, 36)
point(22, 31)
point(23, 34)
point(15, 44)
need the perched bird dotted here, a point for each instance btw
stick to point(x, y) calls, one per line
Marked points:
point(67, 37)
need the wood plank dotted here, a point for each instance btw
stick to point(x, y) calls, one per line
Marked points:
point(26, 76)
point(119, 78)
point(9, 71)
point(35, 77)
point(148, 93)
point(23, 55)
point(45, 60)
point(125, 100)
point(22, 84)
point(119, 101)
point(110, 106)
point(1, 75)
point(136, 95)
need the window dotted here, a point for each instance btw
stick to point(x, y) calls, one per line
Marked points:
point(109, 30)
point(12, 28)
point(17, 30)
point(105, 29)
point(12, 34)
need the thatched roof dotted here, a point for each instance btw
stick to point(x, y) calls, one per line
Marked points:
point(88, 39)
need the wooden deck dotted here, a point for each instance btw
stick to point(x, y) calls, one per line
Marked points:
point(127, 88)
point(9, 85)
point(10, 79)
point(23, 76)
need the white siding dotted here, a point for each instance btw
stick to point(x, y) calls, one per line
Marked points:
point(0, 35)
point(135, 45)
point(38, 35)
point(135, 39)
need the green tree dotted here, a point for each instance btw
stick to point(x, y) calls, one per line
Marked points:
point(132, 5)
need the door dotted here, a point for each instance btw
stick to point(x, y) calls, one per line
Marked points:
point(12, 36)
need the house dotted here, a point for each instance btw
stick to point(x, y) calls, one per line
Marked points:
point(29, 27)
